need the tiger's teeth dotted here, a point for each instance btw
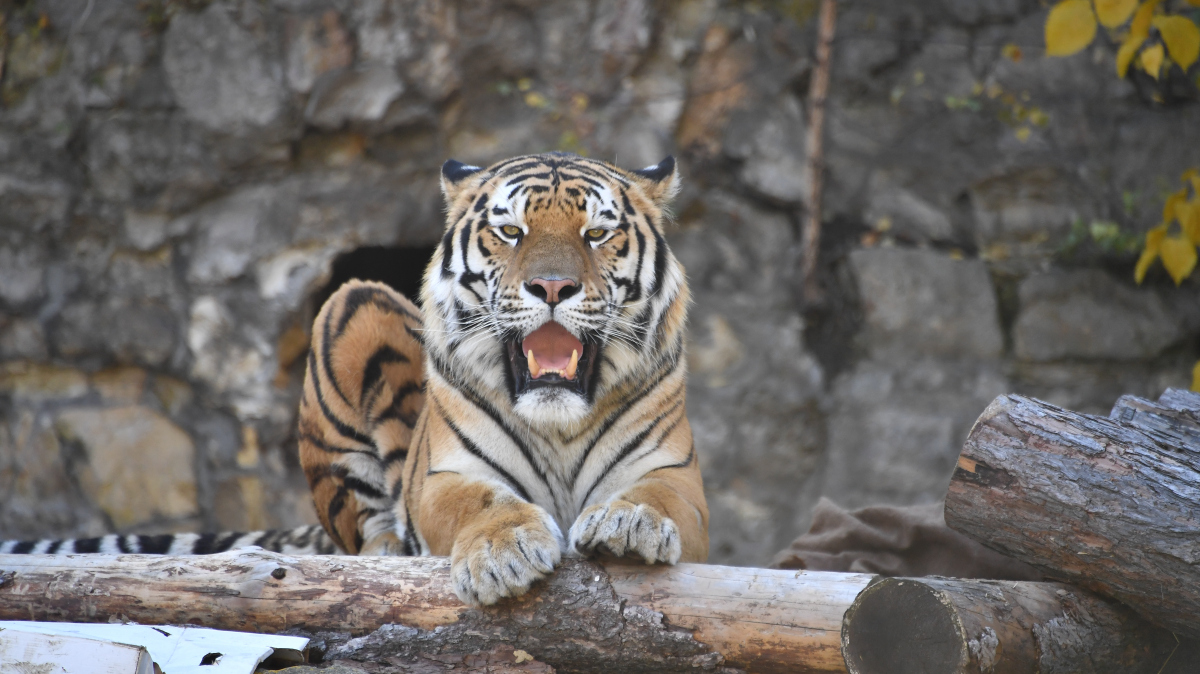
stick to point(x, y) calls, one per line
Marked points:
point(534, 370)
point(573, 365)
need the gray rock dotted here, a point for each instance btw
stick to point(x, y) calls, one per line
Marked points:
point(360, 94)
point(904, 212)
point(22, 338)
point(32, 205)
point(151, 155)
point(972, 12)
point(770, 141)
point(21, 274)
point(753, 388)
point(219, 72)
point(312, 47)
point(898, 426)
point(1022, 217)
point(923, 302)
point(1088, 314)
point(139, 465)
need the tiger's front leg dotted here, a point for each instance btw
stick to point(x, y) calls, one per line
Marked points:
point(498, 544)
point(661, 517)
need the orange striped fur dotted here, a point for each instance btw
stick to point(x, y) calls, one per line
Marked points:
point(426, 431)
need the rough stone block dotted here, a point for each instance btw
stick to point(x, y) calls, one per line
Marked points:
point(1089, 314)
point(924, 302)
point(312, 47)
point(139, 464)
point(897, 428)
point(1021, 217)
point(31, 381)
point(360, 94)
point(905, 212)
point(219, 72)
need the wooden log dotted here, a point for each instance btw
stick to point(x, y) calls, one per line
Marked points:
point(943, 626)
point(586, 618)
point(1109, 505)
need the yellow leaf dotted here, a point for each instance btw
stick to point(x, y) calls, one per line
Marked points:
point(1113, 13)
point(1139, 30)
point(1154, 239)
point(1178, 256)
point(1023, 133)
point(1171, 203)
point(1128, 50)
point(1146, 259)
point(1189, 219)
point(1152, 60)
point(1070, 27)
point(1141, 20)
point(1182, 38)
point(1193, 176)
point(1196, 370)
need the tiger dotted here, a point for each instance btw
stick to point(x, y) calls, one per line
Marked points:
point(539, 388)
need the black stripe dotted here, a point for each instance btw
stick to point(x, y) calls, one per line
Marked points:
point(447, 252)
point(478, 453)
point(24, 547)
point(341, 426)
point(155, 545)
point(394, 456)
point(660, 261)
point(612, 419)
point(626, 450)
point(333, 449)
point(87, 545)
point(123, 544)
point(204, 544)
point(384, 355)
point(362, 487)
point(58, 544)
point(478, 401)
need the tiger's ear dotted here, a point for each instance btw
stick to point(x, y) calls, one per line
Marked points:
point(660, 181)
point(454, 178)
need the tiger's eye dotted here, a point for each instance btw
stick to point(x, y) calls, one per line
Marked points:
point(510, 230)
point(595, 233)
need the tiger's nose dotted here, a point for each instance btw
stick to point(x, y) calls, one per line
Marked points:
point(552, 291)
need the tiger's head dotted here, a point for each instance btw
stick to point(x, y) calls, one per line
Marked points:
point(553, 284)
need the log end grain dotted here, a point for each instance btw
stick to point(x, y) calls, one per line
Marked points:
point(902, 627)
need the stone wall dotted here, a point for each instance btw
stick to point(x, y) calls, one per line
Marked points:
point(178, 178)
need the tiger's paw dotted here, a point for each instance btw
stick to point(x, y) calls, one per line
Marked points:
point(622, 528)
point(503, 555)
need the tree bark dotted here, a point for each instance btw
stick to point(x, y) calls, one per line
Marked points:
point(818, 91)
point(396, 610)
point(1110, 504)
point(942, 626)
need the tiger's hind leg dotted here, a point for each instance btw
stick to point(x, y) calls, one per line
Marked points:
point(363, 392)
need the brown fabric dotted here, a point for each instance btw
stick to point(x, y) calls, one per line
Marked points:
point(895, 541)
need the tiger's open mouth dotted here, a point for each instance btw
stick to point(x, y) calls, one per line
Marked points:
point(552, 357)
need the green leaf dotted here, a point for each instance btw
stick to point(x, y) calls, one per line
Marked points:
point(1070, 27)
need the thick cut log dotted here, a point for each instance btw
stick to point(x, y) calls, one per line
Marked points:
point(585, 618)
point(943, 626)
point(1109, 504)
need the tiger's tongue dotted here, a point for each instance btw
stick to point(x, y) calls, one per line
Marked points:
point(552, 345)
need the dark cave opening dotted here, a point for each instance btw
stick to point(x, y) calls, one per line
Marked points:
point(400, 267)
